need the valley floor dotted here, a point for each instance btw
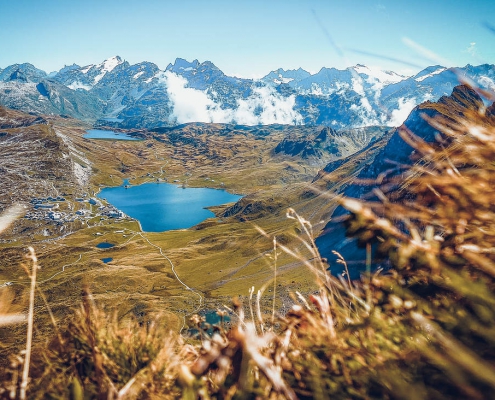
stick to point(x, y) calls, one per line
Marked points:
point(175, 273)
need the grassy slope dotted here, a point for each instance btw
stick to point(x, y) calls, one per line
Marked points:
point(221, 258)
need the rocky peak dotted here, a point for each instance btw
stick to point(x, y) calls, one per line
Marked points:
point(23, 73)
point(325, 134)
point(181, 65)
point(465, 97)
point(18, 75)
point(209, 65)
point(68, 68)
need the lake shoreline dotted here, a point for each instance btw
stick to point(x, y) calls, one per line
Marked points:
point(181, 211)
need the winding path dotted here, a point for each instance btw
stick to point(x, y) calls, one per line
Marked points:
point(201, 298)
point(133, 234)
point(63, 270)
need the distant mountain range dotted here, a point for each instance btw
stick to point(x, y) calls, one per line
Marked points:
point(118, 94)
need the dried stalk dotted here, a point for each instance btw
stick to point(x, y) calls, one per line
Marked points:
point(29, 340)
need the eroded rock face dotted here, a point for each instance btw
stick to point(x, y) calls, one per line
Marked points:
point(16, 119)
point(310, 146)
point(324, 144)
point(391, 161)
point(31, 156)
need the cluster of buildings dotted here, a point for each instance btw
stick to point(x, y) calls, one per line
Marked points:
point(44, 215)
point(110, 212)
point(48, 209)
point(46, 203)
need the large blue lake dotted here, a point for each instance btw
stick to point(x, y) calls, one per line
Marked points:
point(162, 206)
point(109, 135)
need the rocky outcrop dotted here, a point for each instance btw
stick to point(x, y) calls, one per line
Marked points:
point(14, 119)
point(312, 146)
point(323, 144)
point(386, 165)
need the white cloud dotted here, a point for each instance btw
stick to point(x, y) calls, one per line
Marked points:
point(263, 106)
point(191, 105)
point(472, 49)
point(486, 82)
point(78, 85)
point(365, 112)
point(357, 84)
point(398, 116)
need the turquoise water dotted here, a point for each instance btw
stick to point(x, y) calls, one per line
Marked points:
point(163, 207)
point(104, 245)
point(101, 134)
point(212, 318)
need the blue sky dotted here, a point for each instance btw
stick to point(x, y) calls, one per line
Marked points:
point(249, 38)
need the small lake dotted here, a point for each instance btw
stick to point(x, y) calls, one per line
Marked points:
point(104, 245)
point(107, 260)
point(212, 318)
point(108, 135)
point(163, 207)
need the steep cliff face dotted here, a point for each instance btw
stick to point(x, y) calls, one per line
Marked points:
point(386, 166)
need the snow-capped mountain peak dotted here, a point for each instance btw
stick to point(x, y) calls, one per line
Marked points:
point(429, 72)
point(181, 65)
point(107, 66)
point(142, 95)
point(290, 76)
point(110, 63)
point(76, 77)
point(378, 74)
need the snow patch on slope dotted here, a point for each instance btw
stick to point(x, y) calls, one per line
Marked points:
point(399, 115)
point(385, 77)
point(79, 85)
point(438, 71)
point(81, 173)
point(107, 66)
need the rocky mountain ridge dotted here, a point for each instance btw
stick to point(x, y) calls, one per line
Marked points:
point(383, 165)
point(118, 94)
